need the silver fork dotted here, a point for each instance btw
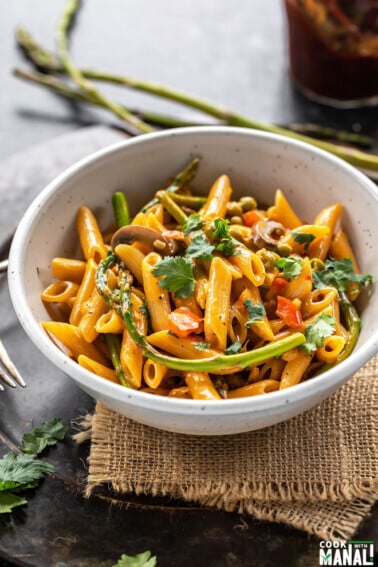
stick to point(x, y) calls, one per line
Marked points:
point(12, 377)
point(8, 371)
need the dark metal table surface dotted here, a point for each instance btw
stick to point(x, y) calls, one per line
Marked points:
point(234, 53)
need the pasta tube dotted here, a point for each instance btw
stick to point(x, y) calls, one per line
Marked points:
point(217, 304)
point(60, 292)
point(97, 368)
point(90, 236)
point(201, 387)
point(219, 196)
point(282, 212)
point(70, 336)
point(157, 298)
point(68, 269)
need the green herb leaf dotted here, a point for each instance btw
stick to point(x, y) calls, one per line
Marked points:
point(339, 274)
point(199, 247)
point(177, 275)
point(144, 559)
point(21, 469)
point(291, 267)
point(256, 312)
point(303, 238)
point(48, 434)
point(226, 244)
point(200, 345)
point(234, 348)
point(322, 327)
point(8, 501)
point(192, 223)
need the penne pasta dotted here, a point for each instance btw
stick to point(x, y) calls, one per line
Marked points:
point(157, 298)
point(219, 196)
point(68, 269)
point(201, 386)
point(217, 304)
point(90, 237)
point(204, 284)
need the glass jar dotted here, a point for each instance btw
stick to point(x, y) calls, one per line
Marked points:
point(333, 49)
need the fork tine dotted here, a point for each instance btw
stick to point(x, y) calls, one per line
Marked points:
point(3, 266)
point(7, 379)
point(5, 359)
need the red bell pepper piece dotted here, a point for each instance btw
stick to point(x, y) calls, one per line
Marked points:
point(288, 313)
point(182, 322)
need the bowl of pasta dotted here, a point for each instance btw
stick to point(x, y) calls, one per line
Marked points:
point(207, 281)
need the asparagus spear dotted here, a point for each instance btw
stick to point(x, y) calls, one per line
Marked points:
point(114, 346)
point(119, 300)
point(121, 209)
point(78, 77)
point(353, 323)
point(182, 178)
point(357, 158)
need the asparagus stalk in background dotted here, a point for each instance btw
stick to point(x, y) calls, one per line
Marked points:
point(77, 76)
point(40, 56)
point(59, 87)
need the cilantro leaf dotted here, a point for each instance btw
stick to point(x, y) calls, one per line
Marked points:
point(339, 274)
point(322, 327)
point(201, 345)
point(256, 312)
point(234, 348)
point(192, 223)
point(8, 501)
point(44, 436)
point(303, 238)
point(226, 244)
point(177, 275)
point(291, 267)
point(200, 247)
point(21, 469)
point(221, 228)
point(144, 559)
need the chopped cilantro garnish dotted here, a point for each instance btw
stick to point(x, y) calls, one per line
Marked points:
point(291, 267)
point(339, 274)
point(201, 345)
point(234, 348)
point(322, 327)
point(192, 223)
point(199, 247)
point(303, 238)
point(177, 275)
point(226, 244)
point(256, 312)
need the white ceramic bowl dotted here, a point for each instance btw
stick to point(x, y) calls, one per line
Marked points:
point(257, 164)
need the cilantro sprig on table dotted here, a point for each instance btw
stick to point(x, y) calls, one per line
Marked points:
point(339, 274)
point(24, 471)
point(144, 559)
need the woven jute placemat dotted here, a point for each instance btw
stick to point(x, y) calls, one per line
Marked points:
point(316, 472)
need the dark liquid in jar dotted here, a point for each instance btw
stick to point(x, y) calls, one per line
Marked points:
point(333, 48)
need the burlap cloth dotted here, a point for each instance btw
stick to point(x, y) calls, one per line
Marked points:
point(316, 472)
